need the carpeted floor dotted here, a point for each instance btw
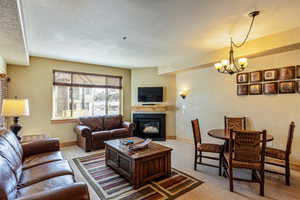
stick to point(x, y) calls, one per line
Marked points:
point(109, 185)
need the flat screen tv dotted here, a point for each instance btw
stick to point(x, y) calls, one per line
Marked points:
point(150, 94)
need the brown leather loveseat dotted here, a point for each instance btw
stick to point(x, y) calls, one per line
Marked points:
point(93, 131)
point(36, 171)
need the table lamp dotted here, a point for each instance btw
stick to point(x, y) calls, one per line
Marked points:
point(15, 108)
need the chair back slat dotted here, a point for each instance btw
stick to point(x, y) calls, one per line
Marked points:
point(248, 146)
point(196, 132)
point(235, 123)
point(290, 138)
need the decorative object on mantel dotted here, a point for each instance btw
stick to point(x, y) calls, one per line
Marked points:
point(285, 80)
point(15, 108)
point(233, 65)
point(183, 93)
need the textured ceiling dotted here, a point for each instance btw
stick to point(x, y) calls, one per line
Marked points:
point(12, 45)
point(159, 32)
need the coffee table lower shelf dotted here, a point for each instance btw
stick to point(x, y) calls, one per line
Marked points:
point(139, 170)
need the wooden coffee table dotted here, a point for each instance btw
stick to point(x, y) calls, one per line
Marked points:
point(139, 166)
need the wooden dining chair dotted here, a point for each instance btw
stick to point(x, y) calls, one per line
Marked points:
point(205, 147)
point(247, 151)
point(235, 123)
point(282, 155)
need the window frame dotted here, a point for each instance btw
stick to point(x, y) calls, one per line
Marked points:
point(71, 85)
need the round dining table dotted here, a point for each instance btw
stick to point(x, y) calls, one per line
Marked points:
point(225, 135)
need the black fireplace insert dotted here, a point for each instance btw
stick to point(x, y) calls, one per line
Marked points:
point(150, 126)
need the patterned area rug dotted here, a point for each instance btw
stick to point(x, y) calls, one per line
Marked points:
point(109, 185)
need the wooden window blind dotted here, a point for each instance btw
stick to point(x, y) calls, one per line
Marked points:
point(80, 79)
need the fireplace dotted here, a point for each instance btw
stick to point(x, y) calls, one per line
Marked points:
point(150, 126)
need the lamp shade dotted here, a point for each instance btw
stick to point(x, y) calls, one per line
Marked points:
point(15, 107)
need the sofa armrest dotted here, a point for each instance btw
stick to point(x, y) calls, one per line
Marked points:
point(82, 130)
point(76, 191)
point(130, 126)
point(40, 146)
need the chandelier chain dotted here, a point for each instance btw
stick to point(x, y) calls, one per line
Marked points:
point(246, 38)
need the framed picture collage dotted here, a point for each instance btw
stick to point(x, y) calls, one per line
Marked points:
point(285, 80)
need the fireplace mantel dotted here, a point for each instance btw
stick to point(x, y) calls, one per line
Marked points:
point(151, 108)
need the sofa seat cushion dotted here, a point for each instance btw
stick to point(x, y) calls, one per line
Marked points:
point(101, 135)
point(94, 122)
point(112, 122)
point(46, 185)
point(38, 159)
point(120, 132)
point(45, 171)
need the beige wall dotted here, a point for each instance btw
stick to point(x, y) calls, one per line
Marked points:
point(148, 77)
point(278, 42)
point(213, 95)
point(35, 83)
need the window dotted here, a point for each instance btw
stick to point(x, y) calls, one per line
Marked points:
point(81, 94)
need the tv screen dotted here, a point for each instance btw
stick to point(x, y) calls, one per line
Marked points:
point(150, 94)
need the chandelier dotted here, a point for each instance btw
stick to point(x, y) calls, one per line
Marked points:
point(233, 65)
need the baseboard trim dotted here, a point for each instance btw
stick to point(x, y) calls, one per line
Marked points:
point(171, 137)
point(66, 144)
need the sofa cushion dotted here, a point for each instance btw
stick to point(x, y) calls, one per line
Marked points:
point(12, 140)
point(46, 185)
point(38, 159)
point(45, 171)
point(112, 122)
point(101, 135)
point(7, 151)
point(8, 181)
point(120, 132)
point(94, 122)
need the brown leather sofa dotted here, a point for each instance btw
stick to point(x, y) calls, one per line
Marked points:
point(36, 171)
point(93, 131)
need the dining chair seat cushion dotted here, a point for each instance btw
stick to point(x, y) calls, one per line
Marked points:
point(275, 153)
point(242, 164)
point(213, 148)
